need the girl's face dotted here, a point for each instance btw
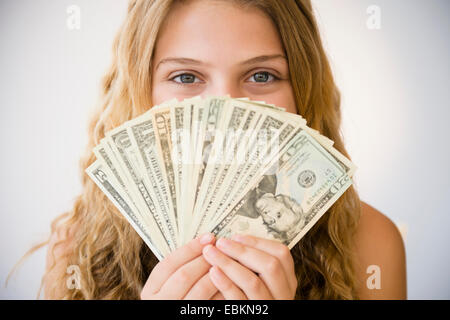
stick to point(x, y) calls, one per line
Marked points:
point(216, 48)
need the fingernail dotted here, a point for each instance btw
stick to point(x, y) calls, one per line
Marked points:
point(239, 238)
point(206, 238)
point(223, 243)
point(209, 250)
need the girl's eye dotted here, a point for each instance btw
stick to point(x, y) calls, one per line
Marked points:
point(185, 78)
point(262, 77)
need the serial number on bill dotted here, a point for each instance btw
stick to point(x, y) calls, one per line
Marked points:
point(228, 309)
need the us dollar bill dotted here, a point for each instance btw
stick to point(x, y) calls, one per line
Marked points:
point(285, 204)
point(265, 129)
point(213, 115)
point(121, 143)
point(178, 141)
point(227, 130)
point(219, 164)
point(219, 152)
point(270, 136)
point(232, 157)
point(108, 160)
point(192, 173)
point(161, 122)
point(102, 176)
point(151, 179)
point(250, 169)
point(325, 141)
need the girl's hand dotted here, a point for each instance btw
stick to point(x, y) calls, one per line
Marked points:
point(251, 268)
point(182, 275)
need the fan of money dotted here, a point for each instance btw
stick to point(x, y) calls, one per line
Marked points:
point(222, 165)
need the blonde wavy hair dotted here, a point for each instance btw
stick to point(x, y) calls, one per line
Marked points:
point(113, 260)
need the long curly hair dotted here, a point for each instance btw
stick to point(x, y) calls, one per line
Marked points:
point(113, 261)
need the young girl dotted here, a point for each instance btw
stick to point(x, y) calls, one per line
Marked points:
point(266, 50)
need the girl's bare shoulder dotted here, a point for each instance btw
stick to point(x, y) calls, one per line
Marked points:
point(380, 253)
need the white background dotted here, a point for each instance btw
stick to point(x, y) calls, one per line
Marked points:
point(395, 101)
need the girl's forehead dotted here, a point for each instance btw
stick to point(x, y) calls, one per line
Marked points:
point(204, 28)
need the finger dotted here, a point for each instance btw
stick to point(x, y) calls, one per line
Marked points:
point(268, 267)
point(218, 296)
point(164, 269)
point(182, 280)
point(228, 289)
point(252, 286)
point(274, 248)
point(204, 289)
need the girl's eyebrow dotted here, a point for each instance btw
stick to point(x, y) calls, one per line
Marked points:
point(258, 59)
point(179, 61)
point(263, 59)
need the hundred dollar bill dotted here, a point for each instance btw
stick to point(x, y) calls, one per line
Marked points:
point(102, 176)
point(286, 203)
